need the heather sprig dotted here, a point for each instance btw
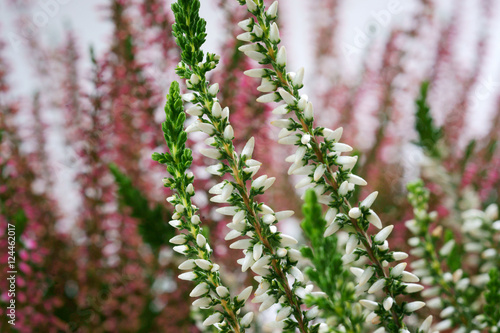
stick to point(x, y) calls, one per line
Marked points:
point(454, 289)
point(193, 243)
point(268, 253)
point(340, 309)
point(319, 158)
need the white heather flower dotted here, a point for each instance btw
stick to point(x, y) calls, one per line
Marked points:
point(282, 123)
point(195, 111)
point(211, 153)
point(187, 265)
point(343, 188)
point(398, 269)
point(213, 89)
point(241, 244)
point(355, 213)
point(287, 240)
point(216, 110)
point(245, 24)
point(388, 303)
point(200, 289)
point(282, 109)
point(377, 286)
point(312, 313)
point(348, 258)
point(229, 210)
point(367, 274)
point(356, 180)
point(304, 182)
point(272, 11)
point(213, 319)
point(383, 234)
point(179, 239)
point(284, 313)
point(248, 48)
point(409, 277)
point(374, 219)
point(206, 128)
point(297, 274)
point(414, 306)
point(255, 73)
point(266, 85)
point(188, 276)
point(281, 57)
point(447, 248)
point(333, 135)
point(413, 288)
point(222, 291)
point(201, 241)
point(269, 301)
point(284, 214)
point(342, 148)
point(252, 7)
point(351, 244)
point(369, 200)
point(248, 149)
point(247, 319)
point(232, 235)
point(243, 296)
point(426, 325)
point(289, 140)
point(257, 30)
point(182, 249)
point(306, 138)
point(215, 170)
point(287, 97)
point(298, 82)
point(202, 303)
point(448, 311)
point(203, 264)
point(379, 330)
point(274, 33)
point(399, 255)
point(319, 172)
point(333, 228)
point(370, 305)
point(257, 56)
point(444, 325)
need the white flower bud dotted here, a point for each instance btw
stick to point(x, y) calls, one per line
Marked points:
point(274, 33)
point(281, 57)
point(216, 317)
point(414, 306)
point(222, 291)
point(247, 319)
point(383, 234)
point(248, 149)
point(189, 276)
point(370, 305)
point(199, 290)
point(272, 11)
point(213, 89)
point(195, 111)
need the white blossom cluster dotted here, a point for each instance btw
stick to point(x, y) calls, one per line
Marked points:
point(267, 252)
point(319, 157)
point(455, 293)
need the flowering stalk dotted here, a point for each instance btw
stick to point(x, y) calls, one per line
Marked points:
point(455, 293)
point(193, 243)
point(341, 308)
point(267, 251)
point(319, 157)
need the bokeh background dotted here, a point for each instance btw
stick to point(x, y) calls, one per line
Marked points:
point(82, 86)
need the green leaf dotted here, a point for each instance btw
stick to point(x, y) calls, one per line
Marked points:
point(152, 226)
point(429, 134)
